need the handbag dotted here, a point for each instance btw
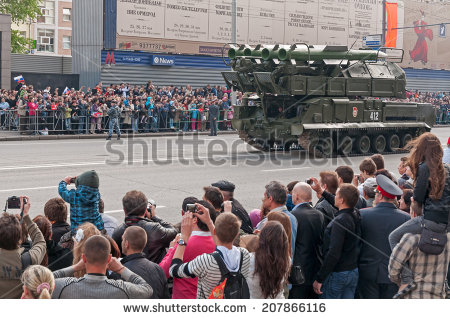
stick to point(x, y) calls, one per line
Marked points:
point(431, 242)
point(296, 276)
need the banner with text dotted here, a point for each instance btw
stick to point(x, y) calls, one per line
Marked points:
point(204, 26)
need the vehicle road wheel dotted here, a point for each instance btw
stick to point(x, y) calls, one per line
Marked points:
point(363, 144)
point(393, 143)
point(346, 145)
point(378, 143)
point(406, 139)
point(326, 146)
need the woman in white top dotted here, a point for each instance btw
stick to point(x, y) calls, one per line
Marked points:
point(270, 264)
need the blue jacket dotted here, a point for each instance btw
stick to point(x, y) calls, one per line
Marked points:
point(83, 205)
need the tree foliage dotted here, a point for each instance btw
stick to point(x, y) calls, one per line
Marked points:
point(21, 11)
point(19, 44)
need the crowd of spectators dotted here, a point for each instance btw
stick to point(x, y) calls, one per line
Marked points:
point(441, 101)
point(146, 108)
point(376, 234)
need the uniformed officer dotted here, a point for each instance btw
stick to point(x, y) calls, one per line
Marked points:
point(377, 223)
point(227, 189)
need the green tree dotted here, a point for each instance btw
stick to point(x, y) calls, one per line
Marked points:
point(21, 11)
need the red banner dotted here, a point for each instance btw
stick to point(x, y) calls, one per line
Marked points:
point(391, 28)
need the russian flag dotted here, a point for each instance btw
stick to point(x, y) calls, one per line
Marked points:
point(66, 90)
point(19, 79)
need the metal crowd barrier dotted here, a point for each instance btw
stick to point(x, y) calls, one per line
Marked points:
point(54, 122)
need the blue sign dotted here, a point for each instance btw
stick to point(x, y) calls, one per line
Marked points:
point(442, 28)
point(124, 57)
point(163, 60)
point(370, 41)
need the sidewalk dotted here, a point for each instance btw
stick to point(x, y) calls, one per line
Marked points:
point(15, 136)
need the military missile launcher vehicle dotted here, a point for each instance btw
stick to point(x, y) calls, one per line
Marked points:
point(327, 100)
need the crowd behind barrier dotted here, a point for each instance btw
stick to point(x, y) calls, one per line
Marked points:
point(142, 109)
point(441, 101)
point(372, 234)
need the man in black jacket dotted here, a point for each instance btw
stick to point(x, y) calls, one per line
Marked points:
point(159, 232)
point(308, 243)
point(338, 276)
point(377, 223)
point(329, 182)
point(227, 189)
point(134, 241)
point(213, 116)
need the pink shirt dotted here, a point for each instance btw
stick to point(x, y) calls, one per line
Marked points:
point(199, 243)
point(32, 107)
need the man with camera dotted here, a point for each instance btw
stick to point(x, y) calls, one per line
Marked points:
point(227, 189)
point(138, 212)
point(13, 260)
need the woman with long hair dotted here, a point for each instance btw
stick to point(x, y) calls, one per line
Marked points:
point(270, 264)
point(38, 283)
point(84, 232)
point(285, 221)
point(431, 195)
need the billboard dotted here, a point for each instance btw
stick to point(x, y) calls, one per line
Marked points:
point(204, 26)
point(425, 41)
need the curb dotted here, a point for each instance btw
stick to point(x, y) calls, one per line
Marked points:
point(103, 136)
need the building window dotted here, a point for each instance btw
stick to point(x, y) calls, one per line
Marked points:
point(47, 12)
point(46, 40)
point(67, 14)
point(67, 42)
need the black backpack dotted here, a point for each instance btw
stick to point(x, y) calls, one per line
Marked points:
point(236, 286)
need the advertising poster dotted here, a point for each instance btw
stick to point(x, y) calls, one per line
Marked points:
point(220, 21)
point(425, 41)
point(266, 21)
point(140, 19)
point(363, 19)
point(204, 26)
point(187, 20)
point(333, 22)
point(301, 21)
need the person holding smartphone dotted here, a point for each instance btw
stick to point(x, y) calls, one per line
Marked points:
point(13, 260)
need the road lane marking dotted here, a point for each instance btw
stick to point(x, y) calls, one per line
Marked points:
point(284, 169)
point(26, 189)
point(137, 161)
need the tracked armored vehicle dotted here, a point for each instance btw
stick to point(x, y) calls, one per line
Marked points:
point(324, 99)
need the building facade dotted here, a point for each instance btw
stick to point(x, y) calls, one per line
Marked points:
point(52, 31)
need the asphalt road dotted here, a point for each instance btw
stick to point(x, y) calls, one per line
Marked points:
point(166, 169)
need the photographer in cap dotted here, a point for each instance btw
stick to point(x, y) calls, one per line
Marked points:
point(227, 189)
point(13, 260)
point(83, 200)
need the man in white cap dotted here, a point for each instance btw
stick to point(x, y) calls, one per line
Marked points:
point(377, 223)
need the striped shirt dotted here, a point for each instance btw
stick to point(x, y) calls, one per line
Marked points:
point(207, 270)
point(429, 271)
